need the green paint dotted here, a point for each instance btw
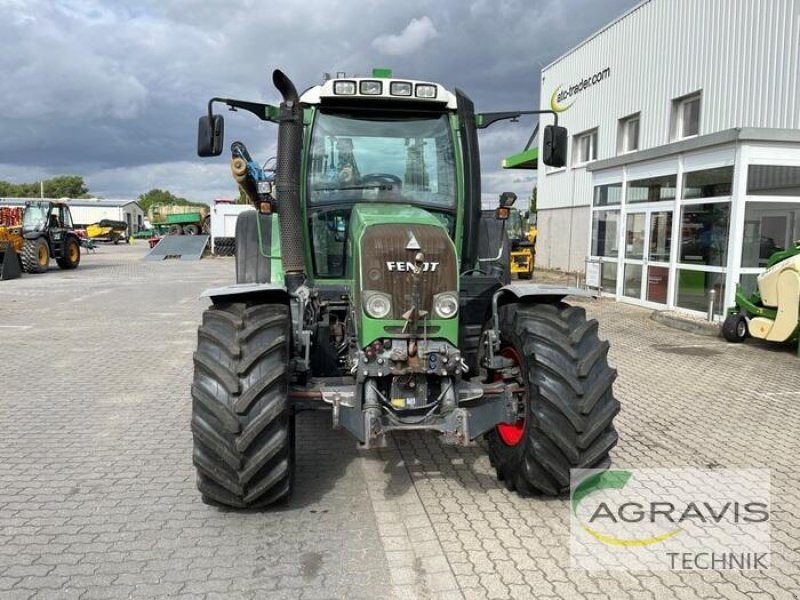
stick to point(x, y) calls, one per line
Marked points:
point(527, 159)
point(374, 329)
point(615, 480)
point(455, 132)
point(382, 73)
point(276, 265)
point(272, 113)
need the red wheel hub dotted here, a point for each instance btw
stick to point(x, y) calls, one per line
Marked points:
point(511, 434)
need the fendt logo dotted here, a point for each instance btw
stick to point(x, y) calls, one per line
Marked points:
point(408, 266)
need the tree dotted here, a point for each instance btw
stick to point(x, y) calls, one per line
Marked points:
point(63, 186)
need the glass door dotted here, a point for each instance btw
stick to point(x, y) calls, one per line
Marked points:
point(659, 246)
point(634, 262)
point(648, 242)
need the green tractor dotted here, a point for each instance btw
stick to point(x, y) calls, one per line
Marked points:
point(365, 287)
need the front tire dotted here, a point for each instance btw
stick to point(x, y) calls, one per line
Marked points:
point(242, 424)
point(35, 255)
point(72, 254)
point(568, 408)
point(734, 328)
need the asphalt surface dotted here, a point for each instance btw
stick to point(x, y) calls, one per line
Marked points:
point(97, 493)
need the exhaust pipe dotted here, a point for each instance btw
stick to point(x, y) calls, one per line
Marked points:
point(287, 181)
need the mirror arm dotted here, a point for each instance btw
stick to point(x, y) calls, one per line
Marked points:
point(486, 119)
point(258, 109)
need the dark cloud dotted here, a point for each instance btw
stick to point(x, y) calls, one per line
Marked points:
point(112, 90)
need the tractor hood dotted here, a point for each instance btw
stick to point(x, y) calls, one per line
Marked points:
point(388, 240)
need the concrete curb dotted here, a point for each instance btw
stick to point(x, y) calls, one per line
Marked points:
point(671, 319)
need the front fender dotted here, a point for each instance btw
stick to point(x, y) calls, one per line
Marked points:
point(243, 292)
point(539, 291)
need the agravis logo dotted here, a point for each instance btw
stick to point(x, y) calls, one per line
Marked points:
point(610, 480)
point(670, 519)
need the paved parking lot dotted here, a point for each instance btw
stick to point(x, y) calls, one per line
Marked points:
point(97, 496)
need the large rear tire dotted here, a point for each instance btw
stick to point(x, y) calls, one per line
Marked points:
point(568, 408)
point(242, 423)
point(35, 255)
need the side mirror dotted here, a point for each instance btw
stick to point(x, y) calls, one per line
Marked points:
point(210, 135)
point(554, 146)
point(507, 199)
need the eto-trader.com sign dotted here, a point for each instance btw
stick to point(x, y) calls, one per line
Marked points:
point(560, 100)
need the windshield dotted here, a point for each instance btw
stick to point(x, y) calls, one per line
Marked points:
point(357, 159)
point(34, 217)
point(514, 225)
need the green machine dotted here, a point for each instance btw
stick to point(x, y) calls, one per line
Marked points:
point(369, 284)
point(773, 312)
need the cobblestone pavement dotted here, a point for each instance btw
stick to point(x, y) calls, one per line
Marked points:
point(97, 496)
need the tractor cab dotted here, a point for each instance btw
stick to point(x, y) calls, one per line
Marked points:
point(374, 158)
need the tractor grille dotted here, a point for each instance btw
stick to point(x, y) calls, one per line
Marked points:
point(385, 264)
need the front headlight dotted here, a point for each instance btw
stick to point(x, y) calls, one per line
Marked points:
point(445, 305)
point(377, 304)
point(344, 88)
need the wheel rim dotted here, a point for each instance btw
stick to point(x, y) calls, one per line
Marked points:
point(512, 433)
point(741, 328)
point(73, 252)
point(42, 256)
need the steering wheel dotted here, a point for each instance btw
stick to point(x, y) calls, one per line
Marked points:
point(381, 178)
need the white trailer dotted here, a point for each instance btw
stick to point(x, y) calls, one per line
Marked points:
point(223, 227)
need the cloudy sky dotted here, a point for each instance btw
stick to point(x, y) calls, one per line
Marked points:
point(111, 90)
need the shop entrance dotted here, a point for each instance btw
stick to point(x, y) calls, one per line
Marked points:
point(648, 243)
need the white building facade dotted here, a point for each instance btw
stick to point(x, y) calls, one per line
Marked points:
point(684, 161)
point(86, 211)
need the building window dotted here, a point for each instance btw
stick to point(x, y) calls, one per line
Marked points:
point(686, 116)
point(628, 134)
point(585, 147)
point(708, 183)
point(773, 180)
point(653, 189)
point(769, 227)
point(704, 234)
point(694, 288)
point(606, 195)
point(605, 233)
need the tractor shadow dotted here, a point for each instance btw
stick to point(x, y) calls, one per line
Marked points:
point(327, 466)
point(324, 468)
point(415, 457)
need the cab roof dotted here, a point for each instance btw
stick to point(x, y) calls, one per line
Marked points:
point(352, 89)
